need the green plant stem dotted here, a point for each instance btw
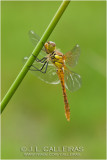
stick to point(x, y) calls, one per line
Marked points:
point(35, 52)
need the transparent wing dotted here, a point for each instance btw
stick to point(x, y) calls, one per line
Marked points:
point(71, 57)
point(51, 74)
point(72, 80)
point(35, 39)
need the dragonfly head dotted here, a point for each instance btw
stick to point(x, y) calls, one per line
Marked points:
point(50, 46)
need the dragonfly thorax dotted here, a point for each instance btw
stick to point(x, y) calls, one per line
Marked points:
point(50, 47)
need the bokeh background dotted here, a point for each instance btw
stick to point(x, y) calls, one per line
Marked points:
point(35, 114)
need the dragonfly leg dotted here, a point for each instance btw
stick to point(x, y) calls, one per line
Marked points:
point(36, 69)
point(33, 55)
point(45, 68)
point(41, 60)
point(46, 63)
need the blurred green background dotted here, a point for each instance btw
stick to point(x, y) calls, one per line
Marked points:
point(35, 114)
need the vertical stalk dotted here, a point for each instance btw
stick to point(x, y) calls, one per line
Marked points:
point(35, 52)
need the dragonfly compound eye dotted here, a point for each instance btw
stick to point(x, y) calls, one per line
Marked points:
point(52, 43)
point(51, 46)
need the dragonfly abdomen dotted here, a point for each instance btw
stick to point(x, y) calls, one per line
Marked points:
point(67, 108)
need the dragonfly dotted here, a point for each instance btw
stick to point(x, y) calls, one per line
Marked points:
point(52, 66)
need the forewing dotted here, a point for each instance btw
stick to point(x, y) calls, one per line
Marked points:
point(72, 80)
point(71, 57)
point(35, 39)
point(50, 76)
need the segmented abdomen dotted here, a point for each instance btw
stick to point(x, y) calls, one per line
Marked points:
point(61, 77)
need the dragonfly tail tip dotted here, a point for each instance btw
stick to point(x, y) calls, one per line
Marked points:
point(67, 117)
